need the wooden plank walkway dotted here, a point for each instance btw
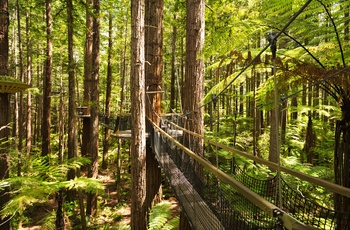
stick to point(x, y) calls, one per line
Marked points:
point(197, 211)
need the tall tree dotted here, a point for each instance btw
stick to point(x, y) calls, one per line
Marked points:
point(21, 100)
point(138, 132)
point(4, 108)
point(194, 74)
point(107, 131)
point(45, 127)
point(85, 146)
point(193, 88)
point(72, 127)
point(94, 110)
point(29, 81)
point(153, 75)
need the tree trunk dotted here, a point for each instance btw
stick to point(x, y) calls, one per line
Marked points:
point(94, 112)
point(193, 88)
point(21, 100)
point(273, 157)
point(294, 104)
point(5, 111)
point(4, 148)
point(310, 142)
point(29, 95)
point(153, 75)
point(138, 132)
point(107, 131)
point(173, 69)
point(72, 119)
point(45, 128)
point(342, 161)
point(85, 146)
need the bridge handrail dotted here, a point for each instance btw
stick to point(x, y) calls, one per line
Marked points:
point(326, 184)
point(271, 209)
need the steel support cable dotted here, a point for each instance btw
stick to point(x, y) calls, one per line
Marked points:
point(323, 183)
point(271, 209)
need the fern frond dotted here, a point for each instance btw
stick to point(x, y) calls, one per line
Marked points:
point(83, 183)
point(159, 217)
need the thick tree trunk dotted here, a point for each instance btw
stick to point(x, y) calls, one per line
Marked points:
point(85, 146)
point(72, 119)
point(138, 132)
point(342, 161)
point(4, 147)
point(153, 75)
point(193, 88)
point(45, 128)
point(94, 112)
point(4, 111)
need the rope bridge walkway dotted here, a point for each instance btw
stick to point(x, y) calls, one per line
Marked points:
point(217, 198)
point(213, 199)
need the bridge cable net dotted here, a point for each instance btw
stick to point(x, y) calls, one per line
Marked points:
point(238, 200)
point(234, 205)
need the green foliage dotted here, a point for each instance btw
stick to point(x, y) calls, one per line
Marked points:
point(43, 181)
point(161, 217)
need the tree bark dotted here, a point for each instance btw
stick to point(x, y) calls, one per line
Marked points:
point(85, 146)
point(5, 111)
point(153, 75)
point(107, 131)
point(45, 127)
point(21, 100)
point(29, 94)
point(72, 119)
point(4, 147)
point(173, 69)
point(193, 90)
point(138, 132)
point(94, 111)
point(310, 142)
point(342, 161)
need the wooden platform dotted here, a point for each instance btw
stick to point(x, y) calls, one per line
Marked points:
point(124, 134)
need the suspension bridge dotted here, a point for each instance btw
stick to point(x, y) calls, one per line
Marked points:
point(215, 197)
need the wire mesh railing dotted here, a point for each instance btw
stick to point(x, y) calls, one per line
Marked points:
point(236, 210)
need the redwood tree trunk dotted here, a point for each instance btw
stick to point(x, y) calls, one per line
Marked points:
point(138, 132)
point(87, 79)
point(72, 119)
point(29, 95)
point(107, 133)
point(45, 128)
point(4, 146)
point(94, 112)
point(342, 161)
point(153, 75)
point(193, 90)
point(4, 110)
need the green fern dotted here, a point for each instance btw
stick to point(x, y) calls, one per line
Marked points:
point(160, 217)
point(42, 181)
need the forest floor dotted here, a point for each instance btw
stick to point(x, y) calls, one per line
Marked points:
point(114, 208)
